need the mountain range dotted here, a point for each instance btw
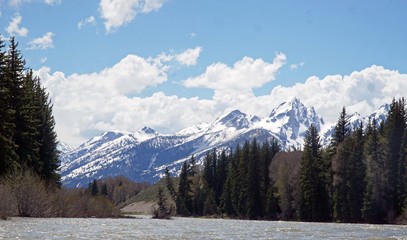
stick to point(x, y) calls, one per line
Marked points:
point(143, 155)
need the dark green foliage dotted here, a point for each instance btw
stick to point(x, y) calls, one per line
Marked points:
point(27, 135)
point(184, 201)
point(170, 185)
point(254, 207)
point(374, 210)
point(393, 135)
point(8, 156)
point(272, 207)
point(360, 177)
point(314, 195)
point(163, 211)
point(93, 188)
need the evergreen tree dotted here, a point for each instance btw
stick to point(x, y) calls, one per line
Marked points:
point(374, 209)
point(93, 188)
point(402, 194)
point(393, 135)
point(272, 208)
point(253, 183)
point(314, 196)
point(342, 129)
point(28, 125)
point(226, 198)
point(221, 174)
point(339, 151)
point(8, 156)
point(14, 75)
point(242, 181)
point(184, 201)
point(357, 185)
point(47, 137)
point(164, 210)
point(170, 185)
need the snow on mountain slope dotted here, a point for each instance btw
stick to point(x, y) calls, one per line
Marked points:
point(354, 122)
point(142, 155)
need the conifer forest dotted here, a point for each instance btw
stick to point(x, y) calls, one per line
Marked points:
point(359, 177)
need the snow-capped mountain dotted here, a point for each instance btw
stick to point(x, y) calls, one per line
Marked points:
point(144, 154)
point(355, 120)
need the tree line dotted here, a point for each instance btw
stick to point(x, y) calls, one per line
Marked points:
point(360, 176)
point(27, 136)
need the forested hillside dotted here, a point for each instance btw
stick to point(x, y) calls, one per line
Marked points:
point(360, 177)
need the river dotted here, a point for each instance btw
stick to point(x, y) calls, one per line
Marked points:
point(189, 228)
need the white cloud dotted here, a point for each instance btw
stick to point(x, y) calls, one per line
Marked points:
point(117, 13)
point(52, 2)
point(87, 104)
point(14, 27)
point(294, 67)
point(363, 92)
point(87, 21)
point(43, 42)
point(189, 57)
point(15, 3)
point(247, 73)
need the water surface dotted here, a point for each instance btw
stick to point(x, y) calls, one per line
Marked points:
point(189, 228)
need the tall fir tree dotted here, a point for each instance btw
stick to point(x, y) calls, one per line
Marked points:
point(8, 155)
point(314, 195)
point(374, 209)
point(357, 175)
point(253, 183)
point(184, 202)
point(393, 135)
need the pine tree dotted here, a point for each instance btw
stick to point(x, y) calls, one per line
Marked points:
point(14, 75)
point(164, 209)
point(272, 208)
point(374, 208)
point(340, 150)
point(47, 137)
point(357, 175)
point(393, 135)
point(242, 181)
point(28, 125)
point(183, 200)
point(314, 196)
point(253, 183)
point(8, 156)
point(402, 194)
point(170, 185)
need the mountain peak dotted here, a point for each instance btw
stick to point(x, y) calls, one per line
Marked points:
point(148, 130)
point(236, 119)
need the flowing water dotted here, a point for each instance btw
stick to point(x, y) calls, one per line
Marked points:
point(189, 228)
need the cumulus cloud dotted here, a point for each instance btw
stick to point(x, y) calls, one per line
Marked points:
point(87, 104)
point(362, 91)
point(117, 13)
point(14, 27)
point(87, 21)
point(247, 73)
point(43, 42)
point(189, 57)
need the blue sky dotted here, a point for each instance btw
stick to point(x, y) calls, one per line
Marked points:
point(123, 64)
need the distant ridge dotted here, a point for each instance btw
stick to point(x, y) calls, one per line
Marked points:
point(144, 154)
